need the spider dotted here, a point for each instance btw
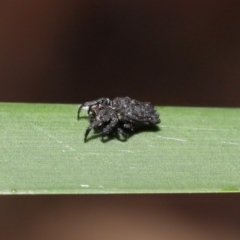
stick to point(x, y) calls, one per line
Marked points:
point(118, 114)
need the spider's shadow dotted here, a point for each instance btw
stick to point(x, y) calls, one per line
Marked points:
point(153, 128)
point(105, 139)
point(97, 134)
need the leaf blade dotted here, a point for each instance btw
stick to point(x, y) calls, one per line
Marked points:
point(195, 150)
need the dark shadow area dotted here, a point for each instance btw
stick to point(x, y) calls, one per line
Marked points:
point(153, 128)
point(116, 136)
point(113, 136)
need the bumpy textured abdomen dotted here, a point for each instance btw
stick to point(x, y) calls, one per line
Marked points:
point(140, 113)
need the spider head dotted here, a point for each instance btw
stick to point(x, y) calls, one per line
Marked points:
point(97, 112)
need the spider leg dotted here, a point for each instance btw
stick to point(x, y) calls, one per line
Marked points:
point(92, 103)
point(91, 126)
point(112, 124)
point(120, 131)
point(128, 126)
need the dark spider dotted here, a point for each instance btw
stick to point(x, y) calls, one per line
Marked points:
point(118, 114)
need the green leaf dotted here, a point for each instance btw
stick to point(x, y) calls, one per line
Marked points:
point(42, 151)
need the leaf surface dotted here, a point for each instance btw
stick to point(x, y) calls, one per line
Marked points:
point(42, 151)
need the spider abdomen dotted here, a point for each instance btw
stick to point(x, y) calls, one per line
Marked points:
point(140, 113)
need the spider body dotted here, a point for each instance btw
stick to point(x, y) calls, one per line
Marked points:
point(119, 114)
